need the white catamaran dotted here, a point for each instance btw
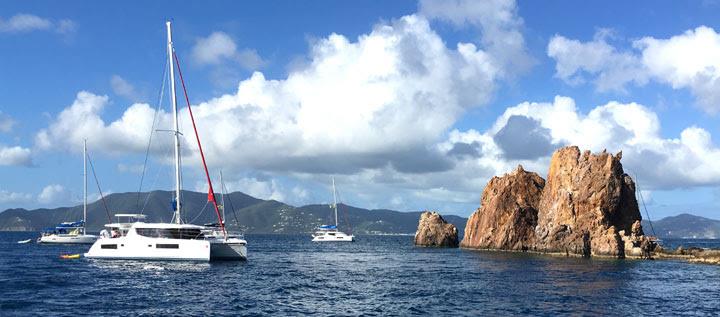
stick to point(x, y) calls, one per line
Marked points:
point(326, 233)
point(131, 238)
point(72, 232)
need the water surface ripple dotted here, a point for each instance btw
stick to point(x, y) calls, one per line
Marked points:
point(375, 276)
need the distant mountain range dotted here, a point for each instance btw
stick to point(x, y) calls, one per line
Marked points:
point(684, 226)
point(251, 215)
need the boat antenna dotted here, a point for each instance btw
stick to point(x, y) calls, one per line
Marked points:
point(637, 183)
point(84, 185)
point(176, 129)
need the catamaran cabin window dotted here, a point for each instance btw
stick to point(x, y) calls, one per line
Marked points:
point(167, 246)
point(108, 246)
point(172, 233)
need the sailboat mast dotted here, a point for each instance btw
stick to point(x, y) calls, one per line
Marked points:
point(335, 202)
point(84, 185)
point(176, 128)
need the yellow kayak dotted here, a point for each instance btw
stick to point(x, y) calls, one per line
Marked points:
point(69, 256)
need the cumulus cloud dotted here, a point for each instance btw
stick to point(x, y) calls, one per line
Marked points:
point(21, 23)
point(382, 100)
point(6, 123)
point(612, 69)
point(82, 120)
point(53, 194)
point(499, 24)
point(687, 61)
point(15, 156)
point(661, 163)
point(219, 47)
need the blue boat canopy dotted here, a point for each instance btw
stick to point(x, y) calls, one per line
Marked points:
point(328, 227)
point(75, 224)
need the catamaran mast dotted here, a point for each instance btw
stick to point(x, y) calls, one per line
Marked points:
point(176, 129)
point(84, 185)
point(335, 202)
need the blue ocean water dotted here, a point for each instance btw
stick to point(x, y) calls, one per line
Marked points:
point(375, 276)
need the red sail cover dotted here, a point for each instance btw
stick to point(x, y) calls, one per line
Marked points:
point(211, 193)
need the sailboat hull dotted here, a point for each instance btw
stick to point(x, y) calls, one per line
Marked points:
point(68, 239)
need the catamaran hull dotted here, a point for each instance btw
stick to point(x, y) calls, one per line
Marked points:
point(328, 238)
point(68, 239)
point(228, 251)
point(144, 248)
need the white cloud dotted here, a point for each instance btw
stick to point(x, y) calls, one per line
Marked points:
point(219, 47)
point(498, 21)
point(384, 99)
point(15, 156)
point(613, 69)
point(82, 120)
point(687, 61)
point(7, 197)
point(123, 88)
point(6, 123)
point(21, 23)
point(53, 194)
point(686, 161)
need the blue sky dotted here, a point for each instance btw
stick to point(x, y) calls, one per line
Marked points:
point(411, 105)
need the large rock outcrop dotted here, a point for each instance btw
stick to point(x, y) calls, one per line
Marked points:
point(508, 213)
point(434, 231)
point(587, 207)
point(587, 194)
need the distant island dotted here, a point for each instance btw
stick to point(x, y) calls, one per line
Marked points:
point(684, 226)
point(252, 215)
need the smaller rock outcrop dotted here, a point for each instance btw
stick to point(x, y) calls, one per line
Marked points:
point(434, 231)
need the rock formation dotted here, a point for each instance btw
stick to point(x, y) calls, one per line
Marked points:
point(508, 213)
point(586, 193)
point(434, 231)
point(586, 207)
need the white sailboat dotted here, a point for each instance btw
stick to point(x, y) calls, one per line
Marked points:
point(72, 232)
point(131, 238)
point(328, 233)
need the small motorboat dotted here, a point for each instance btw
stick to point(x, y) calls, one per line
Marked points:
point(25, 241)
point(69, 256)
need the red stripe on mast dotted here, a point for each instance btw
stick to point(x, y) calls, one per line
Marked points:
point(211, 193)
